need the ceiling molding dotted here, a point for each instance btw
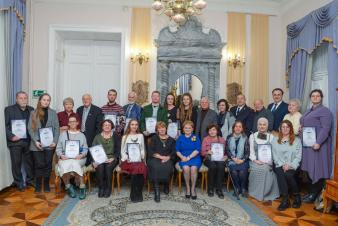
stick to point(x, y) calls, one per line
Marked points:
point(269, 7)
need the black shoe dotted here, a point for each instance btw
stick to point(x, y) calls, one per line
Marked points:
point(107, 193)
point(166, 188)
point(220, 194)
point(309, 198)
point(297, 202)
point(157, 197)
point(194, 197)
point(188, 195)
point(30, 184)
point(284, 204)
point(46, 187)
point(38, 183)
point(20, 187)
point(211, 192)
point(245, 194)
point(100, 193)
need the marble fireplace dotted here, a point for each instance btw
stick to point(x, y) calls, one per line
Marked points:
point(190, 49)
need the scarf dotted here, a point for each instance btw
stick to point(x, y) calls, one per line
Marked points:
point(239, 147)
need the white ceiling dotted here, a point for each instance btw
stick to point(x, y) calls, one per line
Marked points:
point(270, 7)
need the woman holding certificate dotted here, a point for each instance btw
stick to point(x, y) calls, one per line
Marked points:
point(238, 150)
point(213, 151)
point(72, 150)
point(132, 158)
point(161, 157)
point(262, 180)
point(110, 143)
point(287, 154)
point(43, 128)
point(316, 125)
point(188, 147)
point(169, 104)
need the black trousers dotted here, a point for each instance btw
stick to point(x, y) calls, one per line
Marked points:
point(215, 174)
point(20, 155)
point(43, 161)
point(137, 182)
point(104, 174)
point(286, 180)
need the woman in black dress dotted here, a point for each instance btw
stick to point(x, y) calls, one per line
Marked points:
point(169, 104)
point(160, 163)
point(187, 112)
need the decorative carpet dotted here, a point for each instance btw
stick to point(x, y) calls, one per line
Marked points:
point(173, 210)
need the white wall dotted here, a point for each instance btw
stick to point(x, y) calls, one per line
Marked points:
point(46, 14)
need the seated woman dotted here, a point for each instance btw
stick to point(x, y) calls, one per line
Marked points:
point(188, 147)
point(238, 151)
point(137, 169)
point(72, 167)
point(263, 184)
point(287, 154)
point(215, 166)
point(161, 156)
point(111, 145)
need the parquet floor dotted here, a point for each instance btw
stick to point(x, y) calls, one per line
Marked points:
point(30, 209)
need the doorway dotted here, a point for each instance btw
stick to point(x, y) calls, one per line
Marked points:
point(86, 61)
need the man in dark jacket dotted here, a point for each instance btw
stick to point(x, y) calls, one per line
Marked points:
point(205, 117)
point(261, 112)
point(243, 113)
point(91, 117)
point(278, 108)
point(16, 121)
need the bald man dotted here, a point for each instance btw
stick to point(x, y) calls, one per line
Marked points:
point(261, 111)
point(132, 110)
point(91, 117)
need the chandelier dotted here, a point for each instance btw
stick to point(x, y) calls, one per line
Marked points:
point(179, 10)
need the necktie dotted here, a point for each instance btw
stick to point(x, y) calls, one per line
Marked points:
point(84, 119)
point(274, 108)
point(130, 106)
point(238, 109)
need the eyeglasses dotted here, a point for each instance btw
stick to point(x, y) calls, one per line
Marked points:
point(72, 121)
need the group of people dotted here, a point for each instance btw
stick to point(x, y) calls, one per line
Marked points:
point(262, 148)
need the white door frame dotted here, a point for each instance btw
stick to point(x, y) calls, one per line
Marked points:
point(53, 29)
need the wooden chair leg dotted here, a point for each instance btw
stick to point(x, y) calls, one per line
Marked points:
point(171, 183)
point(57, 185)
point(202, 183)
point(89, 182)
point(113, 183)
point(118, 182)
point(179, 182)
point(228, 182)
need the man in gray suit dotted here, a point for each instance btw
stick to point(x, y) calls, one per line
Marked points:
point(205, 116)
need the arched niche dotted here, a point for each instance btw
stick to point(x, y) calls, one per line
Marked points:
point(190, 49)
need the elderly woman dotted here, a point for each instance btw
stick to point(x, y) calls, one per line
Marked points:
point(238, 150)
point(294, 115)
point(188, 147)
point(215, 166)
point(225, 119)
point(161, 157)
point(287, 154)
point(263, 184)
point(70, 166)
point(317, 159)
point(111, 145)
point(63, 116)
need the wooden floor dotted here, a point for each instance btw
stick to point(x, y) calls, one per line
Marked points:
point(28, 208)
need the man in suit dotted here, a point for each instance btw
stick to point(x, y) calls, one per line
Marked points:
point(261, 112)
point(19, 146)
point(91, 116)
point(205, 116)
point(278, 108)
point(243, 113)
point(153, 110)
point(132, 110)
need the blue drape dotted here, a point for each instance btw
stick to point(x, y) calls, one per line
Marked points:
point(304, 36)
point(16, 19)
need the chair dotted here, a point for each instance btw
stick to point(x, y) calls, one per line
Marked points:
point(86, 178)
point(228, 178)
point(203, 170)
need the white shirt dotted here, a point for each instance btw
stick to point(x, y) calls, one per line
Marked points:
point(135, 138)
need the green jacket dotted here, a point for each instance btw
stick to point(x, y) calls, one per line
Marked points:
point(162, 115)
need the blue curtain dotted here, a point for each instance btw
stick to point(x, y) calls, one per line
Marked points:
point(304, 36)
point(15, 17)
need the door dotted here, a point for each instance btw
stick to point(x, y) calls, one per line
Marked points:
point(91, 67)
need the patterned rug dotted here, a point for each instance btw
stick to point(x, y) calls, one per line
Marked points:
point(173, 210)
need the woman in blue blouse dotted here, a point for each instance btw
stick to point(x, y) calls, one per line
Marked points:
point(188, 148)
